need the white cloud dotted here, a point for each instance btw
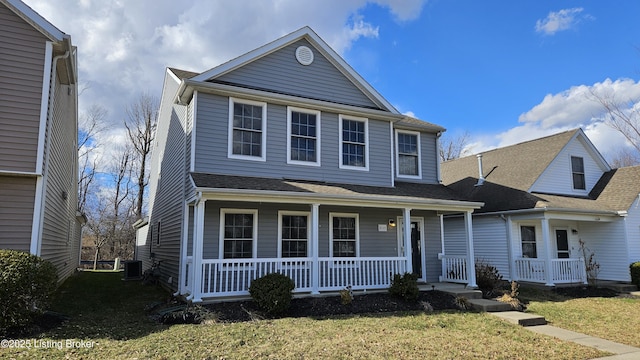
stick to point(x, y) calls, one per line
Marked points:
point(570, 109)
point(560, 20)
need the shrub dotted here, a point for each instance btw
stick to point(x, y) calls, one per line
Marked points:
point(462, 303)
point(27, 283)
point(487, 277)
point(346, 296)
point(272, 292)
point(512, 298)
point(405, 286)
point(635, 273)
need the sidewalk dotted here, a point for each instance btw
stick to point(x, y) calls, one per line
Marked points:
point(621, 351)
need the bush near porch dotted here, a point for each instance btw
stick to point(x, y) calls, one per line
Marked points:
point(634, 268)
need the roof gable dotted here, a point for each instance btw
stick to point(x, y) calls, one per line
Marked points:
point(34, 19)
point(323, 54)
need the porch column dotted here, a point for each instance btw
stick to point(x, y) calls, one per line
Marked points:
point(198, 238)
point(471, 258)
point(406, 218)
point(315, 249)
point(183, 251)
point(511, 252)
point(548, 254)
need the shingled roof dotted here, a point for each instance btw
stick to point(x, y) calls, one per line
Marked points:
point(511, 171)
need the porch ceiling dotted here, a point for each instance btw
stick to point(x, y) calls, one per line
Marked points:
point(414, 195)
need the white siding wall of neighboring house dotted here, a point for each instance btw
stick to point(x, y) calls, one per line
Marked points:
point(490, 243)
point(632, 223)
point(142, 246)
point(211, 133)
point(557, 178)
point(606, 241)
point(22, 62)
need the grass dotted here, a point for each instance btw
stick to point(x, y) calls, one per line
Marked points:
point(616, 319)
point(109, 314)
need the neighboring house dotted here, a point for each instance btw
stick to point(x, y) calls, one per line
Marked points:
point(542, 199)
point(38, 138)
point(286, 160)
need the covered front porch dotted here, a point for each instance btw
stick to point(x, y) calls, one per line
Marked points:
point(323, 244)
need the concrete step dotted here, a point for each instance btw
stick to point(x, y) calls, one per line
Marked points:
point(489, 305)
point(520, 318)
point(467, 293)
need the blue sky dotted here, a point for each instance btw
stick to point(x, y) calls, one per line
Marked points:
point(505, 71)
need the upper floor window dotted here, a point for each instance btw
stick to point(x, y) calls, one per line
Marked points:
point(239, 233)
point(247, 129)
point(294, 234)
point(528, 238)
point(577, 170)
point(303, 142)
point(344, 235)
point(408, 154)
point(354, 143)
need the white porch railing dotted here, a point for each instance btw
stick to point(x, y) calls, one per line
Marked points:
point(563, 270)
point(232, 277)
point(454, 269)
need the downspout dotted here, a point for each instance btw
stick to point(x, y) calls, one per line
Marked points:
point(36, 244)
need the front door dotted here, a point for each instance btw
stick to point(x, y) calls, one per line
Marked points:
point(417, 244)
point(562, 243)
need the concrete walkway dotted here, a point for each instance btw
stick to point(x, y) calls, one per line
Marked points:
point(621, 351)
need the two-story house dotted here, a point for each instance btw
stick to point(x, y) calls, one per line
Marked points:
point(286, 160)
point(38, 138)
point(543, 198)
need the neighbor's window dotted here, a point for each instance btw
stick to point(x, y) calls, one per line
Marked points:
point(354, 152)
point(247, 121)
point(577, 169)
point(408, 149)
point(344, 235)
point(528, 236)
point(239, 233)
point(294, 234)
point(304, 136)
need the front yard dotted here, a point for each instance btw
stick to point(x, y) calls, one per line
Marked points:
point(108, 320)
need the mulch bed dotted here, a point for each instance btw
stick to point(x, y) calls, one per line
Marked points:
point(325, 306)
point(586, 292)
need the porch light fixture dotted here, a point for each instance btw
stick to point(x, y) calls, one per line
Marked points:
point(392, 223)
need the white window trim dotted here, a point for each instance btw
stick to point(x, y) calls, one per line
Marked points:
point(230, 153)
point(317, 113)
point(584, 168)
point(366, 143)
point(397, 157)
point(351, 215)
point(254, 244)
point(282, 213)
point(537, 234)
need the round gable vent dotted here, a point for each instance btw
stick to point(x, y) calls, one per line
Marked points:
point(304, 55)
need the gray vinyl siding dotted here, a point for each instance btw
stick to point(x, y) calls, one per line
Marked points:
point(280, 72)
point(17, 196)
point(455, 236)
point(168, 201)
point(490, 243)
point(59, 236)
point(22, 57)
point(428, 147)
point(211, 127)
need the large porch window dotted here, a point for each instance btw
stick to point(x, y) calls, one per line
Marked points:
point(528, 237)
point(344, 235)
point(238, 233)
point(293, 234)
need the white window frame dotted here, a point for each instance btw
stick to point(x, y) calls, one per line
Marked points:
point(331, 239)
point(254, 244)
point(584, 173)
point(263, 151)
point(317, 113)
point(536, 237)
point(282, 213)
point(397, 157)
point(341, 119)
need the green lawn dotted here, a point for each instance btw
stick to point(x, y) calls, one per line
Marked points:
point(109, 315)
point(616, 319)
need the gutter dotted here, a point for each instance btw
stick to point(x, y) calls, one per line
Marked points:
point(545, 209)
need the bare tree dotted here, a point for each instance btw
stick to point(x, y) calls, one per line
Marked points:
point(141, 127)
point(90, 125)
point(621, 115)
point(625, 157)
point(453, 148)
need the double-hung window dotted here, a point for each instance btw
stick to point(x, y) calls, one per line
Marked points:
point(354, 143)
point(408, 154)
point(239, 233)
point(528, 238)
point(577, 171)
point(303, 142)
point(344, 234)
point(247, 129)
point(294, 234)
